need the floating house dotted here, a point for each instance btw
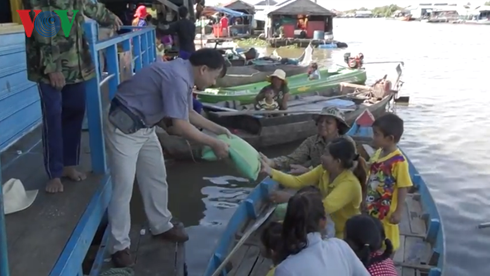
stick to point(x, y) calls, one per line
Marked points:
point(241, 25)
point(298, 22)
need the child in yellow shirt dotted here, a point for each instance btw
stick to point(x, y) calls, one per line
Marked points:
point(389, 178)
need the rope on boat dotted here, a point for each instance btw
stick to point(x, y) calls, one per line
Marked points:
point(190, 150)
point(118, 272)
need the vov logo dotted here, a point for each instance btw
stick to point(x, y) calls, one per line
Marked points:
point(47, 23)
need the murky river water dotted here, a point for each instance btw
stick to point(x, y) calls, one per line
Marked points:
point(447, 132)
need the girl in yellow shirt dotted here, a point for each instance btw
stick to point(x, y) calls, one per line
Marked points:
point(343, 190)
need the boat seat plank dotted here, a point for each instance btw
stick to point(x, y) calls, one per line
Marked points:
point(40, 232)
point(417, 224)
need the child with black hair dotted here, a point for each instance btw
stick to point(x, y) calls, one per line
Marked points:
point(389, 178)
point(365, 235)
point(313, 73)
point(341, 188)
point(303, 252)
point(271, 242)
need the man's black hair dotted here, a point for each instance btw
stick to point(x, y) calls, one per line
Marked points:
point(210, 57)
point(183, 12)
point(390, 125)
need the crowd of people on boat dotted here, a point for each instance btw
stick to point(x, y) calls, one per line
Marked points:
point(161, 94)
point(336, 187)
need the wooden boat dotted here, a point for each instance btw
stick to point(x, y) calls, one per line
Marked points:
point(260, 68)
point(298, 84)
point(261, 131)
point(422, 245)
point(243, 75)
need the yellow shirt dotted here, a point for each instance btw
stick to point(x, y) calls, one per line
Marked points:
point(271, 272)
point(386, 176)
point(342, 197)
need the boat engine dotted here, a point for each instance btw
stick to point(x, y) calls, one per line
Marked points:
point(354, 62)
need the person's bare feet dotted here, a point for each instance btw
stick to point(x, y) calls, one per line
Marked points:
point(72, 174)
point(54, 186)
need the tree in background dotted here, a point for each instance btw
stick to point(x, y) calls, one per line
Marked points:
point(386, 11)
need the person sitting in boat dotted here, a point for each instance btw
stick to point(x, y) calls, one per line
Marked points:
point(303, 250)
point(267, 103)
point(365, 235)
point(279, 84)
point(389, 178)
point(330, 125)
point(313, 73)
point(342, 188)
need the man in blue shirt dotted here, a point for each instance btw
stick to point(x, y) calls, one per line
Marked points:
point(161, 90)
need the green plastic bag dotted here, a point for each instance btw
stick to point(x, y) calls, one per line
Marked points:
point(243, 155)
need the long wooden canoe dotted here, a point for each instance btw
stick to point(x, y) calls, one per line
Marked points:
point(422, 246)
point(298, 84)
point(242, 75)
point(261, 131)
point(264, 66)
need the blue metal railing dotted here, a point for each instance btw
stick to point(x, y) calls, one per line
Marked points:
point(141, 43)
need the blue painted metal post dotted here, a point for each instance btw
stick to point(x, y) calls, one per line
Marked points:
point(94, 109)
point(4, 262)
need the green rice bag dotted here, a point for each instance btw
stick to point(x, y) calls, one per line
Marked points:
point(242, 154)
point(280, 212)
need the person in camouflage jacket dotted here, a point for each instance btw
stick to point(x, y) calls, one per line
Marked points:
point(331, 124)
point(61, 66)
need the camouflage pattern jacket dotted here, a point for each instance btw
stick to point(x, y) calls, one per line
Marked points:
point(69, 55)
point(307, 154)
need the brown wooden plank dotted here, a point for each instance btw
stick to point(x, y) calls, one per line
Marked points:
point(408, 271)
point(400, 253)
point(248, 262)
point(237, 259)
point(156, 257)
point(262, 267)
point(40, 232)
point(404, 225)
point(417, 251)
point(417, 224)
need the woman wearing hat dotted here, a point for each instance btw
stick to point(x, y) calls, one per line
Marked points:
point(330, 125)
point(279, 84)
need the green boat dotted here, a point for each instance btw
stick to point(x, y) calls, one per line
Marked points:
point(298, 84)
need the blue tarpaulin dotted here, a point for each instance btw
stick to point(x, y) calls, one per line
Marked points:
point(226, 11)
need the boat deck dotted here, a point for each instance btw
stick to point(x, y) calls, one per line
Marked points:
point(37, 236)
point(412, 258)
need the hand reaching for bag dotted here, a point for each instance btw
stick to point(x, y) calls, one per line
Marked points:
point(265, 167)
